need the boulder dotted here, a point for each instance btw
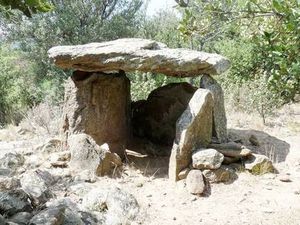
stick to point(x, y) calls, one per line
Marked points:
point(12, 161)
point(14, 201)
point(219, 114)
point(21, 218)
point(119, 207)
point(98, 104)
point(195, 182)
point(137, 54)
point(193, 130)
point(207, 159)
point(231, 149)
point(9, 183)
point(49, 216)
point(37, 184)
point(86, 154)
point(259, 164)
point(156, 117)
point(222, 174)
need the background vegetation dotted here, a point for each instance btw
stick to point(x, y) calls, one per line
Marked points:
point(260, 37)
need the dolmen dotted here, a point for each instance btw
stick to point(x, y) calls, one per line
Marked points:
point(98, 103)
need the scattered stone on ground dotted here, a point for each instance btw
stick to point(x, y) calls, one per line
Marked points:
point(12, 161)
point(21, 218)
point(9, 183)
point(49, 216)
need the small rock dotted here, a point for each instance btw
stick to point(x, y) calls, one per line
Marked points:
point(285, 178)
point(229, 160)
point(9, 183)
point(14, 201)
point(60, 156)
point(49, 216)
point(259, 164)
point(183, 173)
point(2, 220)
point(207, 159)
point(21, 218)
point(195, 182)
point(59, 164)
point(231, 149)
point(37, 184)
point(222, 174)
point(6, 172)
point(254, 141)
point(12, 161)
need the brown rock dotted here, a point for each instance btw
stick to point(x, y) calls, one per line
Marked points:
point(194, 182)
point(183, 174)
point(229, 160)
point(193, 130)
point(98, 104)
point(222, 174)
point(156, 117)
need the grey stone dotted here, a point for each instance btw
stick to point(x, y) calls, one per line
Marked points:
point(38, 185)
point(87, 155)
point(119, 207)
point(222, 174)
point(21, 218)
point(49, 216)
point(259, 164)
point(12, 161)
point(193, 130)
point(2, 220)
point(155, 118)
point(14, 201)
point(98, 104)
point(195, 182)
point(207, 159)
point(219, 114)
point(137, 54)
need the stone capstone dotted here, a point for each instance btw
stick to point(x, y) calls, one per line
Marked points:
point(207, 159)
point(137, 54)
point(219, 114)
point(98, 104)
point(86, 154)
point(193, 130)
point(155, 118)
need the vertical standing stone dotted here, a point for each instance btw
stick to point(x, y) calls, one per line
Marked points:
point(219, 115)
point(98, 104)
point(193, 130)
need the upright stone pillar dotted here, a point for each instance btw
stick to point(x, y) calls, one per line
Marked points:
point(98, 104)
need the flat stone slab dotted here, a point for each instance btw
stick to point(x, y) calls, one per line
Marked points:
point(133, 54)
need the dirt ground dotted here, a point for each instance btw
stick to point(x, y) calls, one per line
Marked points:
point(250, 199)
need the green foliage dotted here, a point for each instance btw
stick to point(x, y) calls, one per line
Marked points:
point(17, 84)
point(28, 7)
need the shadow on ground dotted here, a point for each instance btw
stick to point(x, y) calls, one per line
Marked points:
point(274, 148)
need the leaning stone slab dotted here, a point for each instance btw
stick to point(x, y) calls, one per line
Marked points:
point(219, 114)
point(193, 130)
point(137, 54)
